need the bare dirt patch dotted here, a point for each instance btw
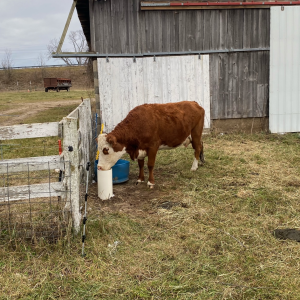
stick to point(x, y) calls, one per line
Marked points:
point(19, 113)
point(129, 198)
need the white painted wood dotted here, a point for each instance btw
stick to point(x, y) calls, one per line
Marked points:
point(124, 84)
point(26, 131)
point(284, 97)
point(30, 164)
point(85, 129)
point(72, 174)
point(15, 193)
point(73, 114)
point(68, 161)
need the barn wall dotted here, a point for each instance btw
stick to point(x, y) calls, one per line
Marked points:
point(125, 83)
point(239, 81)
point(121, 27)
point(239, 84)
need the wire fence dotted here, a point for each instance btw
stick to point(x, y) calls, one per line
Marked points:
point(34, 203)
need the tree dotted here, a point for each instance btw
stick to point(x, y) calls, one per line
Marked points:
point(41, 62)
point(7, 65)
point(79, 43)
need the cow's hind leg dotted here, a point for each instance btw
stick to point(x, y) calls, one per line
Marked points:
point(141, 174)
point(151, 161)
point(197, 144)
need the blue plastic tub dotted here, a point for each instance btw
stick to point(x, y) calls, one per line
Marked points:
point(120, 171)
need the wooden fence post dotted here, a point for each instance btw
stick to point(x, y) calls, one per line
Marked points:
point(85, 129)
point(72, 172)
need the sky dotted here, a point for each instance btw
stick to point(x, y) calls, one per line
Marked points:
point(26, 28)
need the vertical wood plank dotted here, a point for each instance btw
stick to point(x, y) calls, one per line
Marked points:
point(72, 176)
point(206, 30)
point(215, 29)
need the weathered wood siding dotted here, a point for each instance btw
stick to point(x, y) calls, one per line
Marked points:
point(238, 80)
point(239, 84)
point(125, 84)
point(121, 27)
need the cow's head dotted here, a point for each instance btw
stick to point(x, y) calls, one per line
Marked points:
point(110, 151)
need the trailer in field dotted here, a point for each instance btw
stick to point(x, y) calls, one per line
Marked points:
point(57, 84)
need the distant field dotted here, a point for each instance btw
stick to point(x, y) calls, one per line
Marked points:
point(24, 79)
point(36, 107)
point(10, 99)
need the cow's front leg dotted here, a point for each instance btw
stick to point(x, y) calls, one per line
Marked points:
point(141, 174)
point(151, 162)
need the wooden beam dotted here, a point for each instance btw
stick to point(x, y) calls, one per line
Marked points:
point(26, 131)
point(58, 50)
point(184, 5)
point(24, 192)
point(30, 164)
point(203, 7)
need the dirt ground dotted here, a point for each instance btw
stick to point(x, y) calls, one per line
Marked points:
point(133, 200)
point(19, 113)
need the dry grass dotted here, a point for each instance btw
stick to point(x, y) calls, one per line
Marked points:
point(201, 235)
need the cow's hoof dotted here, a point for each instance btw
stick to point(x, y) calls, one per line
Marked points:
point(194, 169)
point(139, 181)
point(202, 158)
point(150, 185)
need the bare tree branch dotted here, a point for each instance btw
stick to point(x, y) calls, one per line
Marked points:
point(7, 65)
point(79, 43)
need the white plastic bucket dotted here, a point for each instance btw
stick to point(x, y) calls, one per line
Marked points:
point(105, 184)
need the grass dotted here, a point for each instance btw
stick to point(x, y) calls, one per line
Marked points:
point(39, 146)
point(214, 241)
point(10, 99)
point(54, 114)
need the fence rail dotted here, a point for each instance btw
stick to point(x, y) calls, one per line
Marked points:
point(31, 164)
point(76, 130)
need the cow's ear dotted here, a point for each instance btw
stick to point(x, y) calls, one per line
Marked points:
point(111, 139)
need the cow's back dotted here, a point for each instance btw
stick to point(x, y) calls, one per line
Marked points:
point(166, 124)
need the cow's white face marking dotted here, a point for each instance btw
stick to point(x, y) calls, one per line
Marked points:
point(107, 156)
point(195, 165)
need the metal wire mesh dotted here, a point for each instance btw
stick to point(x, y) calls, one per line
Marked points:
point(34, 204)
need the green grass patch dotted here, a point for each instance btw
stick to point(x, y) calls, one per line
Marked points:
point(29, 148)
point(55, 114)
point(10, 99)
point(213, 241)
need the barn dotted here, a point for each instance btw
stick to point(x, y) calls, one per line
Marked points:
point(239, 60)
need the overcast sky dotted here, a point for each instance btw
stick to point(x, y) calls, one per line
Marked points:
point(26, 27)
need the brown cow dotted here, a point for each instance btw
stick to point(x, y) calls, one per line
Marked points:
point(152, 127)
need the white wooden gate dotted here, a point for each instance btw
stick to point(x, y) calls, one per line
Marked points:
point(284, 114)
point(76, 153)
point(125, 83)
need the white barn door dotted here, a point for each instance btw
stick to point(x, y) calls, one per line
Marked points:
point(284, 112)
point(125, 83)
